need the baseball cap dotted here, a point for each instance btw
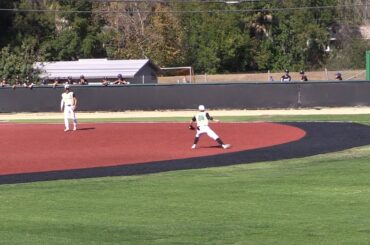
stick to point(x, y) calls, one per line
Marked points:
point(66, 86)
point(201, 107)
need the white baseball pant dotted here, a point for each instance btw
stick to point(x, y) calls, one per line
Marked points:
point(69, 114)
point(206, 130)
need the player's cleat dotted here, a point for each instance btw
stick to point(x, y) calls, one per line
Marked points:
point(67, 129)
point(75, 128)
point(226, 146)
point(193, 146)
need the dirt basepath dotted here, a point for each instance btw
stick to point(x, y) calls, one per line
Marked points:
point(189, 113)
point(324, 137)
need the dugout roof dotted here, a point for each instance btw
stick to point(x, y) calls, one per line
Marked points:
point(94, 68)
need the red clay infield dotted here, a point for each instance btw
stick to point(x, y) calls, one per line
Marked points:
point(29, 148)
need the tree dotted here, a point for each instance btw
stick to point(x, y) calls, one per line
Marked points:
point(76, 34)
point(300, 37)
point(18, 61)
point(6, 22)
point(210, 37)
point(145, 30)
point(128, 27)
point(165, 37)
point(217, 41)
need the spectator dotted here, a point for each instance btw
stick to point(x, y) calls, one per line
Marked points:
point(4, 82)
point(105, 81)
point(44, 81)
point(25, 82)
point(69, 80)
point(17, 82)
point(120, 80)
point(303, 76)
point(28, 83)
point(271, 79)
point(83, 80)
point(56, 82)
point(286, 77)
point(338, 76)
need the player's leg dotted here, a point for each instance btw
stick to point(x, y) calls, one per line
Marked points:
point(66, 123)
point(74, 119)
point(196, 139)
point(215, 137)
point(74, 124)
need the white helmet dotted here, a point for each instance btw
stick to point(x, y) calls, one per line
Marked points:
point(66, 86)
point(201, 108)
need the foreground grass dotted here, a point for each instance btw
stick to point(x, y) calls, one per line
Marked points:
point(364, 118)
point(317, 200)
point(323, 199)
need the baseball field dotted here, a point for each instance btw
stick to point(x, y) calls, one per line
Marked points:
point(291, 177)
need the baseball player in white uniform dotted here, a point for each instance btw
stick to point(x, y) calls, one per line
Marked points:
point(69, 104)
point(202, 119)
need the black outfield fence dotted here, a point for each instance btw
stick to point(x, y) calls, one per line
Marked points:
point(189, 96)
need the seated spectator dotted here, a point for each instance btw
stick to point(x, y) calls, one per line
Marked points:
point(4, 82)
point(17, 82)
point(28, 83)
point(44, 81)
point(105, 81)
point(338, 76)
point(303, 76)
point(120, 80)
point(286, 77)
point(83, 80)
point(25, 82)
point(69, 80)
point(56, 82)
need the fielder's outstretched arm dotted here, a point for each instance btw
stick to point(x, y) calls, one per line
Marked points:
point(211, 118)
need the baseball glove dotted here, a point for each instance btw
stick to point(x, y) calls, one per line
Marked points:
point(191, 127)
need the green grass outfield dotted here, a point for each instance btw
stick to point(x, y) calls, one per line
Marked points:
point(323, 199)
point(360, 118)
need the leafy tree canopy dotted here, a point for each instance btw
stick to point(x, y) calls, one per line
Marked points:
point(212, 37)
